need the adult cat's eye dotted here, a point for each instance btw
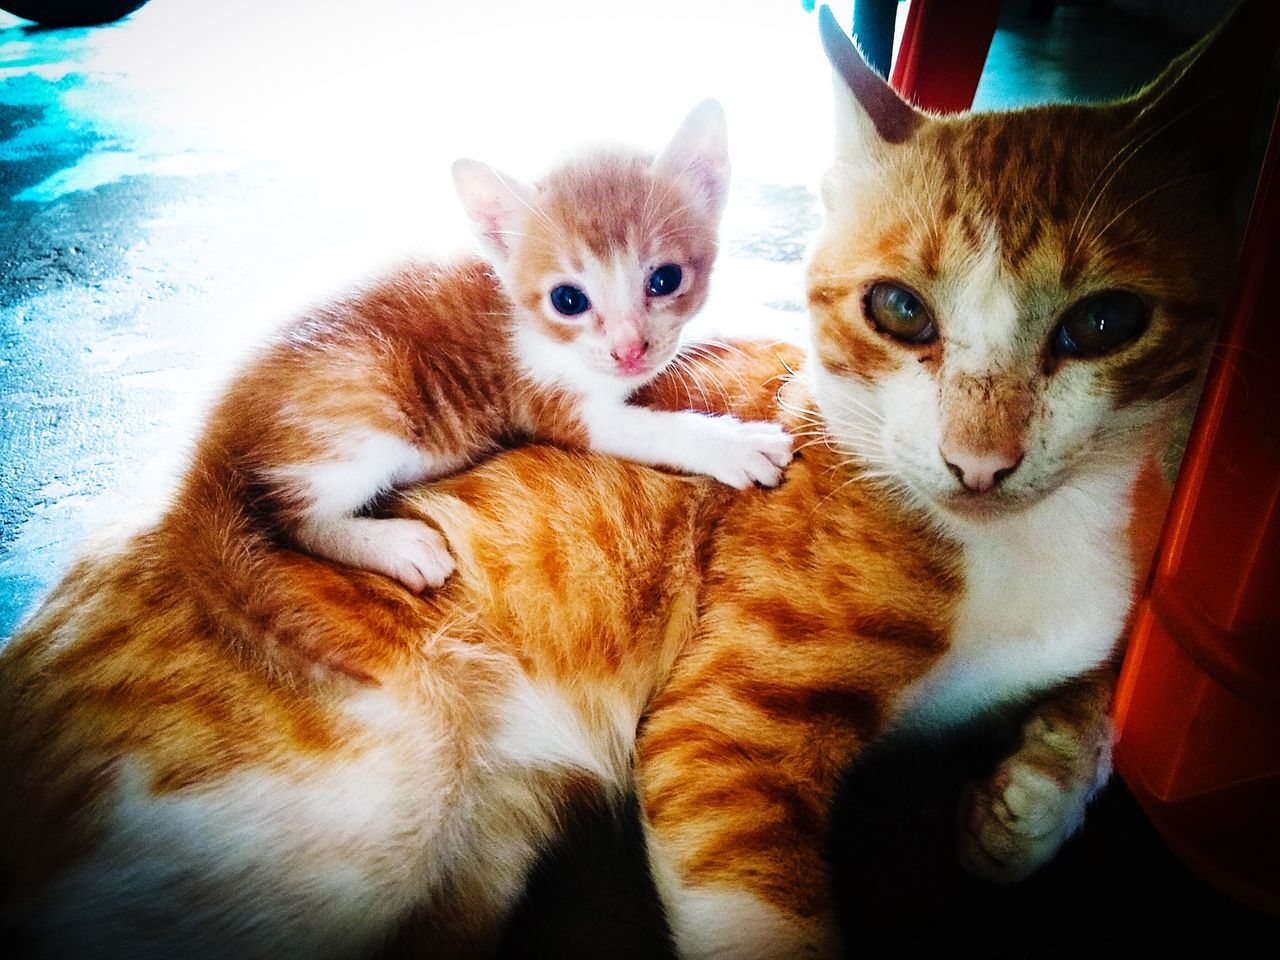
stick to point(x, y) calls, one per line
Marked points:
point(1099, 324)
point(896, 311)
point(569, 301)
point(665, 279)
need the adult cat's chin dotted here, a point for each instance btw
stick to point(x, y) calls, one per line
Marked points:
point(981, 507)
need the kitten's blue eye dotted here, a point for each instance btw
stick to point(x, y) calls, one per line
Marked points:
point(896, 311)
point(569, 301)
point(666, 279)
point(1099, 324)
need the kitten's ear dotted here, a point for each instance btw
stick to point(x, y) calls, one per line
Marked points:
point(1205, 99)
point(700, 152)
point(495, 203)
point(867, 108)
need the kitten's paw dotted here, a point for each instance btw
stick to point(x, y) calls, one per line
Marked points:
point(406, 550)
point(741, 454)
point(412, 552)
point(1018, 819)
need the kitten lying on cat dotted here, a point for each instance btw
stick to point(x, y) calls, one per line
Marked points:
point(1007, 309)
point(593, 275)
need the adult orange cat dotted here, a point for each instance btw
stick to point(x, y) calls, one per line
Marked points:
point(1054, 272)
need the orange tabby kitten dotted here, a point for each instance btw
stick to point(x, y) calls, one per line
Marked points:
point(1007, 309)
point(594, 274)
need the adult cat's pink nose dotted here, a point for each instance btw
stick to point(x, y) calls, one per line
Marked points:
point(629, 353)
point(980, 472)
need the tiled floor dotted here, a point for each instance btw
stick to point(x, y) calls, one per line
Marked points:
point(170, 183)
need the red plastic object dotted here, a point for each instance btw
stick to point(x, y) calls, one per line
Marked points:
point(944, 47)
point(1198, 706)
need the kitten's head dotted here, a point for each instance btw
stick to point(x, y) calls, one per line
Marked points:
point(608, 256)
point(1005, 304)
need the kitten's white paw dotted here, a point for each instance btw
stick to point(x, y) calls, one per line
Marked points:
point(744, 453)
point(409, 551)
point(1018, 819)
point(406, 550)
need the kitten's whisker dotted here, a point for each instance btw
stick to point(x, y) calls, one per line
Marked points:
point(733, 374)
point(712, 358)
point(723, 345)
point(683, 380)
point(680, 364)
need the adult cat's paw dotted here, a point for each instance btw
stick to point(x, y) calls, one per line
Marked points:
point(1018, 818)
point(741, 454)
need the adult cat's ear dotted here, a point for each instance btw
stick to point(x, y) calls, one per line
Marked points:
point(494, 202)
point(866, 106)
point(1204, 101)
point(700, 152)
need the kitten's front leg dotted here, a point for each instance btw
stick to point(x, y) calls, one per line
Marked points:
point(330, 488)
point(1035, 800)
point(735, 452)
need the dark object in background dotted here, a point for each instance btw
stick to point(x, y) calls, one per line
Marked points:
point(873, 23)
point(1114, 889)
point(71, 13)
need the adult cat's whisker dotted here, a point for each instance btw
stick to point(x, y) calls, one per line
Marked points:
point(825, 441)
point(1128, 154)
point(857, 477)
point(851, 424)
point(858, 429)
point(851, 403)
point(800, 411)
point(1145, 196)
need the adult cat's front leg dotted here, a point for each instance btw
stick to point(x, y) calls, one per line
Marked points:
point(736, 774)
point(734, 845)
point(1016, 821)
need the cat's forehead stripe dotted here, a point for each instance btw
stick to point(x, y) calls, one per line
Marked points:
point(1028, 173)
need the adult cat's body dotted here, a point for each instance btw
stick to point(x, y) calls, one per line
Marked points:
point(593, 274)
point(168, 789)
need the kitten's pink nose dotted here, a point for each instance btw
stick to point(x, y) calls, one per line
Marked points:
point(979, 472)
point(629, 353)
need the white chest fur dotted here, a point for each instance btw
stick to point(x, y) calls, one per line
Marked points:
point(1046, 595)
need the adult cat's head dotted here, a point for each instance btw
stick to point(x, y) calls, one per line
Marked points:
point(1005, 304)
point(610, 255)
